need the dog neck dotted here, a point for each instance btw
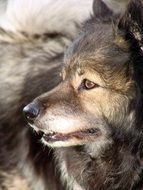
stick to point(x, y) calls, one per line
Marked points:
point(118, 165)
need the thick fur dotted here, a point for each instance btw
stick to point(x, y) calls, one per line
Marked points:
point(94, 116)
point(33, 37)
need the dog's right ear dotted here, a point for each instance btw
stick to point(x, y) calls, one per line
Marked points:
point(101, 10)
point(108, 9)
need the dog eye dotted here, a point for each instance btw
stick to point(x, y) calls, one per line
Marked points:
point(87, 84)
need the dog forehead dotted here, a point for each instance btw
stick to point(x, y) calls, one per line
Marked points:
point(98, 51)
point(91, 39)
point(98, 44)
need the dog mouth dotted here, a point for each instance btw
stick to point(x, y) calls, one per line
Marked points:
point(80, 135)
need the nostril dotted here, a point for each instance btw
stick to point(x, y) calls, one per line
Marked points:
point(31, 111)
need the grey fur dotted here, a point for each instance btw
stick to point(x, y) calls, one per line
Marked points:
point(30, 63)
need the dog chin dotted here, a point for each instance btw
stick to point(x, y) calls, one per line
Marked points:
point(67, 143)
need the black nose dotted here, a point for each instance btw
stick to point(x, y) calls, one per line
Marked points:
point(31, 111)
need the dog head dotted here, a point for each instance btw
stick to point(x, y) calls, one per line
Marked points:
point(101, 89)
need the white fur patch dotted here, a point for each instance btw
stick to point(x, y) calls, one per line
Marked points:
point(71, 183)
point(69, 142)
point(39, 16)
point(61, 124)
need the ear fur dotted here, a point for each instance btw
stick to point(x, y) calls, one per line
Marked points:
point(101, 10)
point(127, 14)
point(108, 9)
point(117, 6)
point(132, 21)
point(131, 24)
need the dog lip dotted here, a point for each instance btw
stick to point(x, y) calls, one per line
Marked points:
point(54, 136)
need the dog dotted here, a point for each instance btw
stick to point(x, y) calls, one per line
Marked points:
point(33, 37)
point(93, 118)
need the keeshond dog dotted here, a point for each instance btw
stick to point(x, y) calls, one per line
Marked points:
point(93, 118)
point(33, 38)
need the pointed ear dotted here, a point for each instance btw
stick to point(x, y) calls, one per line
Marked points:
point(108, 9)
point(132, 21)
point(117, 6)
point(101, 10)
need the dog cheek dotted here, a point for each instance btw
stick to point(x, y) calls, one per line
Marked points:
point(116, 109)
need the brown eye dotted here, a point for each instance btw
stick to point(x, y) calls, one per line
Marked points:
point(87, 84)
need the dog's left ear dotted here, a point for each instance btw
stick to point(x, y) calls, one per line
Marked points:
point(132, 22)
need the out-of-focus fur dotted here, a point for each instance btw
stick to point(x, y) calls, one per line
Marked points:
point(33, 37)
point(38, 17)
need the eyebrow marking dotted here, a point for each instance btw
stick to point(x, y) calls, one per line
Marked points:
point(80, 71)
